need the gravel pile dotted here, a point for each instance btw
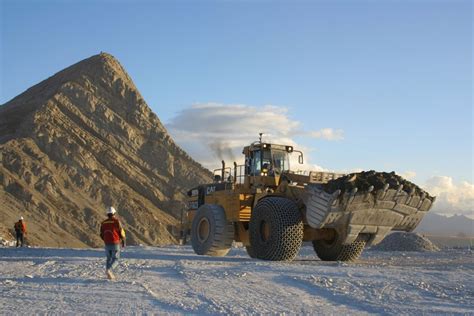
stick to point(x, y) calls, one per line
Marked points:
point(364, 180)
point(402, 241)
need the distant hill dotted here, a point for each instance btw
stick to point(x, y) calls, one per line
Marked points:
point(84, 139)
point(457, 225)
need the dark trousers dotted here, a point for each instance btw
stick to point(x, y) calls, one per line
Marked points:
point(19, 239)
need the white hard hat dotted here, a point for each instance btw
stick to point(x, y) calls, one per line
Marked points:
point(111, 210)
point(21, 218)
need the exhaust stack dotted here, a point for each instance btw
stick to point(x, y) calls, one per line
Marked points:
point(223, 170)
point(235, 172)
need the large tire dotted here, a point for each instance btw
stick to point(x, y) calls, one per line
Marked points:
point(334, 250)
point(211, 233)
point(250, 251)
point(276, 229)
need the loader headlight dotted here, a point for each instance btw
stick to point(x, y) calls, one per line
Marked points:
point(289, 149)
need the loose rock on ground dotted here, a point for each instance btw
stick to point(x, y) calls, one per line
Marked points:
point(402, 241)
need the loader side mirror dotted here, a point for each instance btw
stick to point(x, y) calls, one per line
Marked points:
point(300, 157)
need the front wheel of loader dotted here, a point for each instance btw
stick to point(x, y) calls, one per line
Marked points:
point(250, 251)
point(211, 233)
point(334, 250)
point(276, 229)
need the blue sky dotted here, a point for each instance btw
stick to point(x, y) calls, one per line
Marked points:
point(394, 76)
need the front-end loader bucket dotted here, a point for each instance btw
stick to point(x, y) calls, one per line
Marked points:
point(374, 213)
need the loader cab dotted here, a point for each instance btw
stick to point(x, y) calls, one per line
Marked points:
point(264, 159)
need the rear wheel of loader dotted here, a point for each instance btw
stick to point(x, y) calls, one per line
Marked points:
point(276, 229)
point(334, 250)
point(211, 233)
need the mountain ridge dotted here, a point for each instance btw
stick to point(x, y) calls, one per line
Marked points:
point(439, 225)
point(44, 89)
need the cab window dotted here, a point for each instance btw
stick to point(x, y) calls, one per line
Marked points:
point(280, 161)
point(256, 163)
point(266, 160)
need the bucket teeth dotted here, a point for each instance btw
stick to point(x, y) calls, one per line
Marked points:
point(352, 179)
point(400, 188)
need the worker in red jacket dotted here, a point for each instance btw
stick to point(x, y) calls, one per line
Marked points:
point(20, 231)
point(113, 235)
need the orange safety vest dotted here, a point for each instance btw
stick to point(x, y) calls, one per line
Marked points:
point(111, 231)
point(20, 226)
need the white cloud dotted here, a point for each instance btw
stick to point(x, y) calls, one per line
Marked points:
point(328, 134)
point(409, 175)
point(211, 132)
point(451, 198)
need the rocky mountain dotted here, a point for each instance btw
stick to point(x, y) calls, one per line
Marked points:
point(84, 139)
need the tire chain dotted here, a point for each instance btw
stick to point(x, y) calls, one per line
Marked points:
point(352, 251)
point(338, 252)
point(286, 236)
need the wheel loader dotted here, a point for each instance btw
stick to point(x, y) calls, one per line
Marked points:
point(272, 210)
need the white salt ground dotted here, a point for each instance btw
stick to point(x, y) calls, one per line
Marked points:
point(173, 280)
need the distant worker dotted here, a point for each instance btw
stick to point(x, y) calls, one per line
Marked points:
point(113, 235)
point(20, 230)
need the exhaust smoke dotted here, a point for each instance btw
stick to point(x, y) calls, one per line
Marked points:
point(222, 150)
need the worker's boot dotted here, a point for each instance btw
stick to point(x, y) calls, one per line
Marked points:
point(110, 275)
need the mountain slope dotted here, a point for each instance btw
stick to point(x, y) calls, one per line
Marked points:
point(84, 139)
